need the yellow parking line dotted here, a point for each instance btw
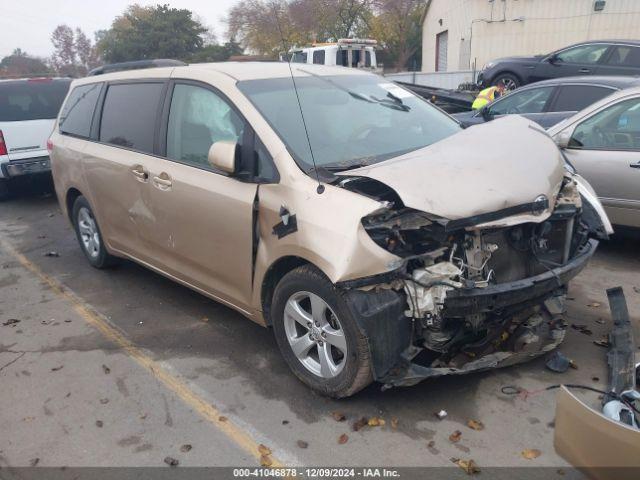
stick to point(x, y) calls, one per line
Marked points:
point(188, 396)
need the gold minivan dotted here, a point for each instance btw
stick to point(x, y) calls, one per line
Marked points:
point(377, 238)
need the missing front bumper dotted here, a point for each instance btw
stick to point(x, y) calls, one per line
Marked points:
point(380, 313)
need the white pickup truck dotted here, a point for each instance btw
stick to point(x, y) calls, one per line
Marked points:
point(346, 52)
point(28, 110)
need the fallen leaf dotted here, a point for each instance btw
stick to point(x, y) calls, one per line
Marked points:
point(99, 423)
point(455, 436)
point(394, 422)
point(205, 319)
point(264, 450)
point(359, 424)
point(595, 379)
point(469, 466)
point(11, 321)
point(602, 343)
point(560, 471)
point(636, 289)
point(573, 364)
point(302, 444)
point(28, 419)
point(52, 254)
point(475, 425)
point(222, 418)
point(431, 444)
point(338, 416)
point(266, 460)
point(55, 369)
point(104, 401)
point(172, 462)
point(601, 321)
point(185, 448)
point(531, 453)
point(376, 422)
point(285, 422)
point(34, 461)
point(106, 369)
point(342, 439)
point(593, 304)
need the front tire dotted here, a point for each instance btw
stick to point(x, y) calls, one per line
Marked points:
point(89, 236)
point(510, 81)
point(318, 336)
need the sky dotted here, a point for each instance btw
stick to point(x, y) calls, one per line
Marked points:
point(27, 24)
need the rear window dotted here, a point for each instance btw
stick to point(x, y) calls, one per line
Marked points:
point(31, 99)
point(573, 98)
point(77, 112)
point(129, 115)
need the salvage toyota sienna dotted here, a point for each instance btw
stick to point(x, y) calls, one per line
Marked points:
point(377, 238)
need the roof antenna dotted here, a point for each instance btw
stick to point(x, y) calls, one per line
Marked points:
point(320, 188)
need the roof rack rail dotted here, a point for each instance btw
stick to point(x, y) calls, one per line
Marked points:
point(136, 64)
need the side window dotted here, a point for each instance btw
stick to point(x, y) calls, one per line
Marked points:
point(197, 119)
point(299, 57)
point(576, 97)
point(583, 54)
point(77, 112)
point(265, 168)
point(318, 57)
point(615, 128)
point(129, 115)
point(532, 100)
point(625, 56)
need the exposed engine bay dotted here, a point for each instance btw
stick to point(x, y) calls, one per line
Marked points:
point(474, 293)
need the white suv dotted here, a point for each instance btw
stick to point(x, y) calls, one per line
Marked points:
point(28, 109)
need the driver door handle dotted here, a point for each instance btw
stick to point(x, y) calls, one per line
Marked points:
point(585, 70)
point(162, 181)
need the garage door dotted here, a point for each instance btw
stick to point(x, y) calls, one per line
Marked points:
point(442, 42)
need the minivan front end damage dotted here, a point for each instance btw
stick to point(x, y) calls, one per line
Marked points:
point(472, 293)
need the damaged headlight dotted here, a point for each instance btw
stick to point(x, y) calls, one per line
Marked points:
point(405, 232)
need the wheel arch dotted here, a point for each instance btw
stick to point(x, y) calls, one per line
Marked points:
point(70, 198)
point(276, 271)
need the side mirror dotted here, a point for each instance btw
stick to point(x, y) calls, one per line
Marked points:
point(223, 155)
point(553, 59)
point(563, 138)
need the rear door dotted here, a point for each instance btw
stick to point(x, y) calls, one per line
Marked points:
point(622, 60)
point(118, 163)
point(28, 109)
point(203, 218)
point(578, 60)
point(572, 98)
point(605, 149)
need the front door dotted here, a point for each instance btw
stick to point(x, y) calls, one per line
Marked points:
point(202, 232)
point(605, 149)
point(580, 60)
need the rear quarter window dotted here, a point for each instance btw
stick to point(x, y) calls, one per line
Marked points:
point(572, 98)
point(129, 115)
point(36, 99)
point(77, 112)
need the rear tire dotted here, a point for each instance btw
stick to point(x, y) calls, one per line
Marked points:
point(510, 81)
point(89, 236)
point(4, 189)
point(310, 315)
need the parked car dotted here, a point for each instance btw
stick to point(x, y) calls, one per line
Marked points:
point(603, 143)
point(28, 109)
point(550, 101)
point(603, 57)
point(384, 233)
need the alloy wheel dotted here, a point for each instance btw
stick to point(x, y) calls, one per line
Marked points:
point(315, 335)
point(89, 232)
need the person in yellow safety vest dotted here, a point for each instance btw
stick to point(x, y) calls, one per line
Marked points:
point(488, 95)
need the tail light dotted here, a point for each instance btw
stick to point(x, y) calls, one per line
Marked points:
point(49, 145)
point(3, 146)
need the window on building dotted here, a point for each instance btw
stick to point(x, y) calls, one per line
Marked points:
point(318, 57)
point(442, 47)
point(299, 57)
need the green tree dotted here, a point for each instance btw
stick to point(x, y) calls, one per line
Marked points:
point(20, 64)
point(73, 53)
point(216, 53)
point(152, 32)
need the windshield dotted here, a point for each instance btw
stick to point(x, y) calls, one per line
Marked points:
point(31, 99)
point(352, 120)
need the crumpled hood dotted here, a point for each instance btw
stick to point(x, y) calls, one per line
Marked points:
point(504, 163)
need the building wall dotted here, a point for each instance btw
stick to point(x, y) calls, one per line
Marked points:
point(483, 30)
